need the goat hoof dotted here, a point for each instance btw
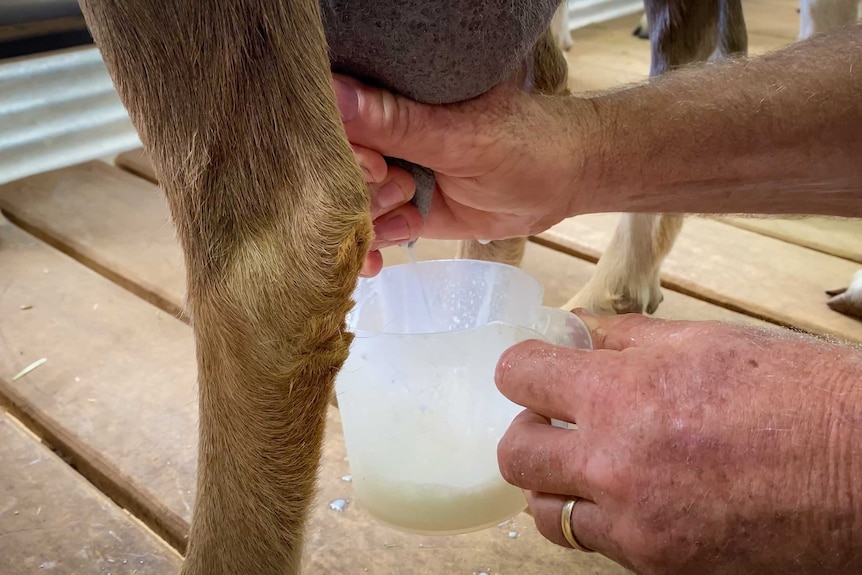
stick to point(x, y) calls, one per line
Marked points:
point(846, 305)
point(645, 300)
point(847, 301)
point(598, 303)
point(655, 300)
point(625, 305)
point(642, 30)
point(616, 302)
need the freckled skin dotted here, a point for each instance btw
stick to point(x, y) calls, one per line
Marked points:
point(738, 452)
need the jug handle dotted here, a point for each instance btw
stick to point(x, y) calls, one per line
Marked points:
point(562, 327)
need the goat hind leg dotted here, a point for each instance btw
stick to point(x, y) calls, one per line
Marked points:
point(237, 113)
point(626, 279)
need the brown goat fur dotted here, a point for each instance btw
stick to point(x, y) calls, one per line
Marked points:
point(272, 214)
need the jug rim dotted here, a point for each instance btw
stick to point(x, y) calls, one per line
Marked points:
point(364, 334)
point(485, 263)
point(453, 260)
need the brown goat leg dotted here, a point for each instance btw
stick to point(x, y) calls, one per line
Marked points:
point(235, 107)
point(546, 73)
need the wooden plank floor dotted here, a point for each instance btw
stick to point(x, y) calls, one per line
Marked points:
point(53, 520)
point(92, 280)
point(737, 269)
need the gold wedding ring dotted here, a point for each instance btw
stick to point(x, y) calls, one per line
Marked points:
point(566, 524)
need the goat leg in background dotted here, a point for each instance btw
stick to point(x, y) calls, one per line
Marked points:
point(848, 300)
point(560, 27)
point(627, 276)
point(822, 16)
point(642, 29)
point(235, 107)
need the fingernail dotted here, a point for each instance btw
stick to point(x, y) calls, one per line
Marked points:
point(394, 229)
point(389, 196)
point(348, 100)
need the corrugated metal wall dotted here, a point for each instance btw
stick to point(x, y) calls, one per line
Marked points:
point(59, 110)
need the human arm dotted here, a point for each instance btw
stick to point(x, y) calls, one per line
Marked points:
point(701, 447)
point(774, 134)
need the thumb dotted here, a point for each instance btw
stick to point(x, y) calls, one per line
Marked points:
point(618, 332)
point(390, 124)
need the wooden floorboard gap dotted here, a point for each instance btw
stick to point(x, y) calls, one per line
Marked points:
point(96, 470)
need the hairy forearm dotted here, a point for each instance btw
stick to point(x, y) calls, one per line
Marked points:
point(775, 134)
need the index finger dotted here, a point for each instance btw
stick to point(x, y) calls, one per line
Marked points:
point(558, 382)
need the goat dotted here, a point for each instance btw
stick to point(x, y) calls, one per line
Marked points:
point(234, 104)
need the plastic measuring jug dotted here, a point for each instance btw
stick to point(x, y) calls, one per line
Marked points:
point(420, 412)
